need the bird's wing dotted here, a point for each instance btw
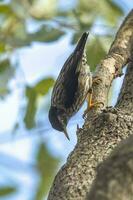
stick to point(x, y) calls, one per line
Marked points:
point(71, 81)
point(71, 71)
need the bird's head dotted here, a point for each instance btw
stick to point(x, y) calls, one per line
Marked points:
point(58, 120)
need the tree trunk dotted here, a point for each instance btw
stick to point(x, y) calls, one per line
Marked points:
point(103, 128)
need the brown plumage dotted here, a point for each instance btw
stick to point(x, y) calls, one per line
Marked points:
point(71, 87)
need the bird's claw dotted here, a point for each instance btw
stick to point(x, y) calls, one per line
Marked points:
point(97, 104)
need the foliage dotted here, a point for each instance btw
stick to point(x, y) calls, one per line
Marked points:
point(46, 167)
point(6, 73)
point(5, 191)
point(52, 20)
point(32, 93)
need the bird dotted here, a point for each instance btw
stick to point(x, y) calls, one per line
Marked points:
point(71, 87)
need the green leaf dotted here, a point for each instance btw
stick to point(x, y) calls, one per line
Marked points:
point(29, 118)
point(46, 34)
point(107, 11)
point(42, 10)
point(4, 65)
point(43, 86)
point(110, 12)
point(6, 73)
point(114, 6)
point(47, 166)
point(5, 9)
point(7, 190)
point(2, 47)
point(95, 52)
point(32, 93)
point(106, 41)
point(19, 8)
point(84, 20)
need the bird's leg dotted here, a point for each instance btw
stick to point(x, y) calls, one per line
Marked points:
point(90, 104)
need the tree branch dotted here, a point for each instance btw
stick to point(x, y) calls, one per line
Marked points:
point(119, 55)
point(114, 178)
point(102, 130)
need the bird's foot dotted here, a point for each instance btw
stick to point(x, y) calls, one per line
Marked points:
point(92, 105)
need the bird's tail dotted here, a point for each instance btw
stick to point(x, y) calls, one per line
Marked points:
point(81, 43)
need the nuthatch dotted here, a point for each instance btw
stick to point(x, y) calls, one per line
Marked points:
point(71, 87)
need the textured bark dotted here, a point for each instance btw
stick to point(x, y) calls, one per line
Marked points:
point(114, 178)
point(103, 129)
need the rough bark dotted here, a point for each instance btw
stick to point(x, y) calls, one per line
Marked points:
point(103, 129)
point(114, 178)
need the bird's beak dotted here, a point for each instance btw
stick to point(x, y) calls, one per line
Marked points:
point(66, 134)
